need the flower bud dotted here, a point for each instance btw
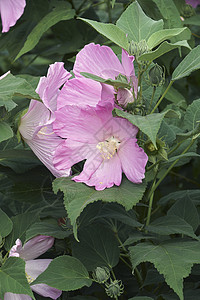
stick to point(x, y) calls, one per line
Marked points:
point(101, 274)
point(122, 78)
point(156, 75)
point(187, 11)
point(114, 289)
point(137, 49)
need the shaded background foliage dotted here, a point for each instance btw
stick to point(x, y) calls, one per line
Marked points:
point(49, 31)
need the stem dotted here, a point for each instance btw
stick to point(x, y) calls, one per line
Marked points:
point(109, 11)
point(163, 95)
point(169, 169)
point(152, 97)
point(150, 202)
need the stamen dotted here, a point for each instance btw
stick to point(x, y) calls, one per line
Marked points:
point(29, 278)
point(109, 147)
point(43, 131)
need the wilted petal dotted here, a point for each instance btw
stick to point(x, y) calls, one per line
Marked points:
point(11, 11)
point(33, 248)
point(11, 296)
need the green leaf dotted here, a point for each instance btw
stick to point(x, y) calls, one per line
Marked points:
point(45, 228)
point(65, 273)
point(60, 12)
point(136, 24)
point(141, 298)
point(193, 195)
point(78, 195)
point(194, 20)
point(20, 225)
point(158, 37)
point(189, 64)
point(192, 115)
point(110, 31)
point(171, 224)
point(169, 12)
point(188, 154)
point(194, 133)
point(5, 131)
point(115, 83)
point(97, 247)
point(13, 279)
point(18, 160)
point(174, 96)
point(6, 224)
point(15, 86)
point(162, 49)
point(174, 259)
point(148, 124)
point(185, 209)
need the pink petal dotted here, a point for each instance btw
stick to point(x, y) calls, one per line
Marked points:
point(37, 115)
point(124, 96)
point(46, 291)
point(44, 145)
point(48, 87)
point(96, 59)
point(11, 11)
point(108, 173)
point(127, 63)
point(11, 296)
point(71, 152)
point(133, 160)
point(81, 124)
point(33, 248)
point(80, 92)
point(193, 3)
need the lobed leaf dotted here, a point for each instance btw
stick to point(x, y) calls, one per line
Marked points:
point(174, 259)
point(6, 224)
point(78, 195)
point(136, 24)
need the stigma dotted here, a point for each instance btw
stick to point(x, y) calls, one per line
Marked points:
point(109, 147)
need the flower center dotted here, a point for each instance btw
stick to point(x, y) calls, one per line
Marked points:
point(29, 278)
point(109, 147)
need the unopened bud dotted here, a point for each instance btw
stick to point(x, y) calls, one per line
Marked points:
point(187, 11)
point(114, 289)
point(156, 75)
point(101, 274)
point(122, 78)
point(138, 49)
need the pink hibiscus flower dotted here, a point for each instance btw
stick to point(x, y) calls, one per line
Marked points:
point(36, 125)
point(34, 267)
point(108, 144)
point(193, 3)
point(102, 61)
point(11, 11)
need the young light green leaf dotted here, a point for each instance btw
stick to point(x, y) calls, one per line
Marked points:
point(170, 13)
point(158, 37)
point(189, 64)
point(59, 13)
point(15, 86)
point(174, 259)
point(110, 31)
point(136, 24)
point(13, 278)
point(65, 273)
point(148, 124)
point(78, 195)
point(97, 247)
point(171, 224)
point(162, 49)
point(115, 83)
point(6, 224)
point(5, 131)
